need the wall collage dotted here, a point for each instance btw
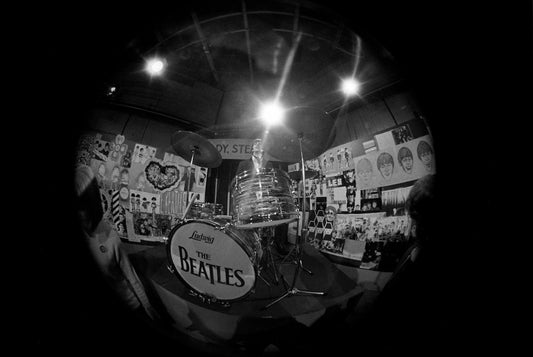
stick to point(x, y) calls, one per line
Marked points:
point(143, 188)
point(357, 204)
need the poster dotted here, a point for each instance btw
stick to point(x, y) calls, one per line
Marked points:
point(337, 159)
point(394, 165)
point(142, 153)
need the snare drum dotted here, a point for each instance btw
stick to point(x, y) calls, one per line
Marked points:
point(216, 261)
point(261, 199)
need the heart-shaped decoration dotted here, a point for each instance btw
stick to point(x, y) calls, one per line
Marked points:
point(161, 177)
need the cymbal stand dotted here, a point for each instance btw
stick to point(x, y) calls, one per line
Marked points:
point(294, 257)
point(293, 290)
point(193, 151)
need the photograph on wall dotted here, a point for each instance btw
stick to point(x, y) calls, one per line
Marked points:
point(125, 160)
point(365, 172)
point(163, 225)
point(124, 195)
point(402, 134)
point(393, 201)
point(348, 178)
point(313, 164)
point(425, 154)
point(102, 149)
point(202, 177)
point(336, 159)
point(387, 169)
point(351, 200)
point(142, 153)
point(370, 204)
point(100, 171)
point(391, 228)
point(85, 149)
point(144, 202)
point(143, 224)
point(118, 148)
point(358, 226)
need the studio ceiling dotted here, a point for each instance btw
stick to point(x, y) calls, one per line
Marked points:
point(223, 62)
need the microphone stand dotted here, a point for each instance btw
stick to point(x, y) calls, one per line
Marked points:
point(293, 290)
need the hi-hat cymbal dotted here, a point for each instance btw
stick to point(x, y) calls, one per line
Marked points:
point(297, 175)
point(310, 124)
point(206, 154)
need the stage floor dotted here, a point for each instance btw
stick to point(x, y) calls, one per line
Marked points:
point(246, 324)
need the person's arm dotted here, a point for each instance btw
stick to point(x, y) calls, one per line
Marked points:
point(131, 277)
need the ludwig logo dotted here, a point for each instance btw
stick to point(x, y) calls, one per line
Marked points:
point(202, 237)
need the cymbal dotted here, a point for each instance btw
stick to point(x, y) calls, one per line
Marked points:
point(311, 124)
point(205, 153)
point(297, 175)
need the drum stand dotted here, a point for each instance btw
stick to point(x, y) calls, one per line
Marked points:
point(293, 290)
point(188, 183)
point(269, 258)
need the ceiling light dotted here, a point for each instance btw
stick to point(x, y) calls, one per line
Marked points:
point(154, 66)
point(350, 86)
point(271, 113)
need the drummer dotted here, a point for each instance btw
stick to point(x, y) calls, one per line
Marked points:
point(256, 161)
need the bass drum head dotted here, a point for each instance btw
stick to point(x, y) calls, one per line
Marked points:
point(211, 261)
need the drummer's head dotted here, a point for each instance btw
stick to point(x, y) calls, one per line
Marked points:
point(257, 147)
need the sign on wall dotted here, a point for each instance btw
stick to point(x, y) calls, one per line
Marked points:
point(237, 149)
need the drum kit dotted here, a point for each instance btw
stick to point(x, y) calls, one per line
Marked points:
point(220, 257)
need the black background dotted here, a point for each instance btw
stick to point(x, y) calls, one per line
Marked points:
point(469, 65)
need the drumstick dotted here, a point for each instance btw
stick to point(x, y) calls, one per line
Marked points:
point(190, 204)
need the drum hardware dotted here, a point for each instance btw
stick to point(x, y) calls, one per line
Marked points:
point(295, 259)
point(268, 258)
point(208, 299)
point(189, 205)
point(292, 289)
point(223, 228)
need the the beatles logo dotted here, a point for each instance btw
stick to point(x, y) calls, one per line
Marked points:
point(215, 274)
point(202, 237)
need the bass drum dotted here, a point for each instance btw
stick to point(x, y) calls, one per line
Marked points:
point(215, 260)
